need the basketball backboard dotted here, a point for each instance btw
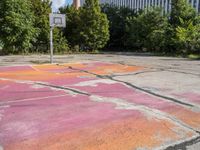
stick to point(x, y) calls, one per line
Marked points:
point(57, 20)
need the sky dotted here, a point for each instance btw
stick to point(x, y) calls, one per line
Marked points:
point(59, 3)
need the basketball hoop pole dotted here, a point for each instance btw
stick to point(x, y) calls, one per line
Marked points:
point(55, 20)
point(51, 45)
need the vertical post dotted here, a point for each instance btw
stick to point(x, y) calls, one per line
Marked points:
point(76, 3)
point(197, 6)
point(51, 45)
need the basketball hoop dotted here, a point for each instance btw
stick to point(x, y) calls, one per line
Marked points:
point(55, 20)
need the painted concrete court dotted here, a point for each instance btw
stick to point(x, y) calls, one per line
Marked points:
point(100, 105)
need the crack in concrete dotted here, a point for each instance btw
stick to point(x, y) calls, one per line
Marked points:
point(187, 73)
point(184, 145)
point(187, 104)
point(63, 88)
point(171, 69)
point(141, 108)
point(158, 70)
point(163, 68)
point(157, 95)
point(137, 73)
point(123, 104)
point(46, 85)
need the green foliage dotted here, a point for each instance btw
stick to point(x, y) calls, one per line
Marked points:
point(194, 56)
point(188, 35)
point(147, 30)
point(60, 42)
point(87, 28)
point(117, 23)
point(17, 30)
point(94, 26)
point(73, 21)
point(41, 10)
point(24, 27)
point(184, 28)
point(150, 30)
point(181, 9)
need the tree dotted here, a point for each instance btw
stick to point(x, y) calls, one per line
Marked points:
point(73, 22)
point(181, 12)
point(117, 17)
point(17, 30)
point(181, 9)
point(60, 42)
point(147, 30)
point(188, 34)
point(41, 10)
point(94, 26)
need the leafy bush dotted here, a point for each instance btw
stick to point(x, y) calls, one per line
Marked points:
point(181, 9)
point(150, 30)
point(41, 10)
point(17, 30)
point(60, 42)
point(87, 28)
point(73, 22)
point(94, 27)
point(188, 35)
point(117, 17)
point(147, 30)
point(24, 26)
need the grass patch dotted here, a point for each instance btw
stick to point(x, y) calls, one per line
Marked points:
point(194, 56)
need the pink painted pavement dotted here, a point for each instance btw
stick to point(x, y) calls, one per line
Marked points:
point(68, 107)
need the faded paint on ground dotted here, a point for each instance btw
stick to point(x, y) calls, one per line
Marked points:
point(69, 107)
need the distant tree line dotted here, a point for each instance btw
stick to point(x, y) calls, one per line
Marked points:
point(150, 30)
point(87, 28)
point(24, 27)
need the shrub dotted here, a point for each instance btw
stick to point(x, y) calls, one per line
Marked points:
point(60, 42)
point(17, 30)
point(41, 10)
point(117, 17)
point(73, 22)
point(94, 26)
point(181, 9)
point(183, 21)
point(188, 35)
point(147, 30)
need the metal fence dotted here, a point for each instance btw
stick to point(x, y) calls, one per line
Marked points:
point(141, 4)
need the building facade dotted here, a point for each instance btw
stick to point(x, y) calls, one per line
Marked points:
point(141, 4)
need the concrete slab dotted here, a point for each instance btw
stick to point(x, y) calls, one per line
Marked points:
point(116, 104)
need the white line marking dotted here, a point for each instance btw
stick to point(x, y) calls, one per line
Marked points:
point(31, 99)
point(34, 68)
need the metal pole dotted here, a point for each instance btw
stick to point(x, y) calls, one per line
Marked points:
point(51, 45)
point(197, 6)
